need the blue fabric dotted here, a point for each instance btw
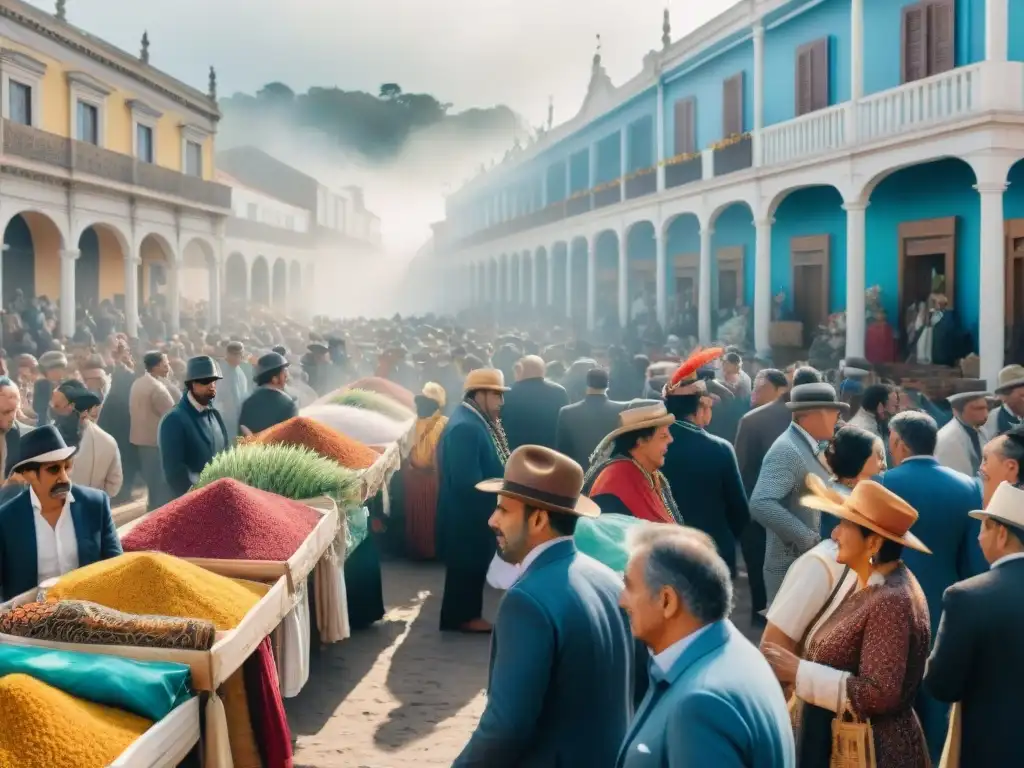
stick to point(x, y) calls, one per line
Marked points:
point(560, 690)
point(150, 689)
point(942, 498)
point(466, 455)
point(604, 538)
point(188, 440)
point(719, 705)
point(94, 530)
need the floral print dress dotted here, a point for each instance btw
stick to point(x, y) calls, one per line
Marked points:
point(881, 636)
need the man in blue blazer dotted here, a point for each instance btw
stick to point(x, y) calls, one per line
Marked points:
point(713, 700)
point(943, 499)
point(562, 658)
point(48, 526)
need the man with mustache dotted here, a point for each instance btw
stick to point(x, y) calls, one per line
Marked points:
point(50, 526)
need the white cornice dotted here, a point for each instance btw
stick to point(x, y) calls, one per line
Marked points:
point(16, 59)
point(194, 133)
point(742, 16)
point(139, 107)
point(89, 83)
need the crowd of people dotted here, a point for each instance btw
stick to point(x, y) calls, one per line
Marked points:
point(881, 533)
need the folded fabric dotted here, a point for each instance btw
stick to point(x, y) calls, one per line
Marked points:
point(150, 689)
point(357, 529)
point(79, 621)
point(266, 709)
point(604, 538)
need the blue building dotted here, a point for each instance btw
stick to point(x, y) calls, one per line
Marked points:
point(811, 147)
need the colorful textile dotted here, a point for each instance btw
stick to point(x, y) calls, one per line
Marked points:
point(420, 504)
point(423, 454)
point(645, 496)
point(79, 621)
point(149, 689)
point(266, 709)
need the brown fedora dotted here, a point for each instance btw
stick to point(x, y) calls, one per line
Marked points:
point(871, 505)
point(543, 478)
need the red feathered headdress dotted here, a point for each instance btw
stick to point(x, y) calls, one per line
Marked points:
point(684, 381)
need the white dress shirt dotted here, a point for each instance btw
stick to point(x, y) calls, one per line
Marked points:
point(808, 584)
point(534, 553)
point(56, 546)
point(671, 655)
point(1008, 558)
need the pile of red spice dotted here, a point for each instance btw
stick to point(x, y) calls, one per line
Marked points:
point(319, 438)
point(225, 520)
point(396, 392)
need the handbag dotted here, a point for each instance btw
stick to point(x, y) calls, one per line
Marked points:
point(951, 751)
point(853, 742)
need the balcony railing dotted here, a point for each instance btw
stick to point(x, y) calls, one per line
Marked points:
point(645, 183)
point(38, 146)
point(922, 104)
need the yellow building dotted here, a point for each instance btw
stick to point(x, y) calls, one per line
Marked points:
point(107, 187)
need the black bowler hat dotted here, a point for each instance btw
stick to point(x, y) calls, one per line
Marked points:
point(202, 368)
point(272, 361)
point(42, 445)
point(84, 400)
point(815, 397)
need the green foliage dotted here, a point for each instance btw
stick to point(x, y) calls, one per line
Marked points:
point(287, 470)
point(373, 401)
point(376, 127)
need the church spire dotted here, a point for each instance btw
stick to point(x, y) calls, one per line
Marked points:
point(597, 54)
point(666, 30)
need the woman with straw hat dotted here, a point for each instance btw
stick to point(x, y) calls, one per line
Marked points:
point(868, 657)
point(625, 469)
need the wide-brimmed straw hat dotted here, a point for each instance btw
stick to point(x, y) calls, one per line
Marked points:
point(815, 397)
point(640, 414)
point(543, 478)
point(489, 379)
point(870, 505)
point(1006, 506)
point(1010, 378)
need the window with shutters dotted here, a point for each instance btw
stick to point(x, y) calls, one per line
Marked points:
point(732, 106)
point(812, 77)
point(685, 141)
point(928, 39)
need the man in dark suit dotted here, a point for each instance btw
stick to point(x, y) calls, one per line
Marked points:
point(943, 499)
point(582, 425)
point(49, 526)
point(560, 690)
point(757, 431)
point(192, 432)
point(472, 449)
point(530, 413)
point(702, 468)
point(978, 655)
point(269, 404)
point(10, 428)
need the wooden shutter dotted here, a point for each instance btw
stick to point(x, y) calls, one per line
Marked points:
point(685, 127)
point(941, 36)
point(820, 72)
point(914, 42)
point(732, 105)
point(804, 81)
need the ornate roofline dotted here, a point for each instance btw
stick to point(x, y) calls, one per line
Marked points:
point(109, 55)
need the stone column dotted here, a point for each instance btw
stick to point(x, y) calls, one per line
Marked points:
point(704, 286)
point(535, 279)
point(659, 136)
point(758, 91)
point(763, 284)
point(174, 294)
point(660, 273)
point(568, 280)
point(522, 276)
point(132, 263)
point(623, 279)
point(997, 25)
point(623, 160)
point(591, 283)
point(508, 280)
point(216, 265)
point(991, 305)
point(67, 291)
point(856, 314)
point(551, 277)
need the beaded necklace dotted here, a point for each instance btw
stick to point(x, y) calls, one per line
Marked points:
point(494, 429)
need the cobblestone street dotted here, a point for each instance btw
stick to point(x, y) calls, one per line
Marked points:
point(400, 693)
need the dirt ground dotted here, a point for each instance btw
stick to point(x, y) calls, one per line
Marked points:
point(401, 693)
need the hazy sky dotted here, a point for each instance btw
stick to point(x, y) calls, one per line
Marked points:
point(470, 52)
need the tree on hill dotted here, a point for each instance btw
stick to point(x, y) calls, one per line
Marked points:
point(377, 127)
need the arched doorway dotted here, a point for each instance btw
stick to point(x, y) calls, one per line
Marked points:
point(280, 283)
point(236, 277)
point(31, 263)
point(260, 282)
